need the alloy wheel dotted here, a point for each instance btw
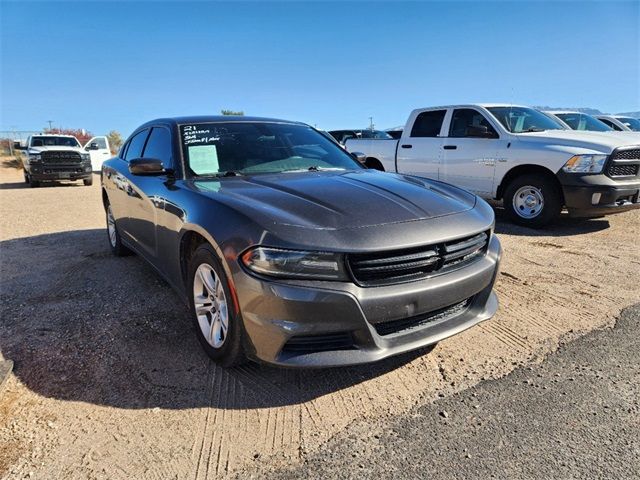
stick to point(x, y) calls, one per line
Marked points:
point(210, 304)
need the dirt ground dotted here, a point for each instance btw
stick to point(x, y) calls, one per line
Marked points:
point(110, 382)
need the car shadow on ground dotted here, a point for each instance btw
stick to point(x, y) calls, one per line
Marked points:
point(82, 325)
point(563, 227)
point(19, 185)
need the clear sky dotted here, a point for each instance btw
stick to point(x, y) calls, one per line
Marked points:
point(114, 65)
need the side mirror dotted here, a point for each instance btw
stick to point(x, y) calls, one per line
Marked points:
point(359, 156)
point(92, 146)
point(146, 166)
point(479, 131)
point(18, 146)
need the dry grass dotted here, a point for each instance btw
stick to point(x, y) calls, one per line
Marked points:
point(11, 162)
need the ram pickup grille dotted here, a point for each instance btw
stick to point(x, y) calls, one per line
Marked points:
point(624, 162)
point(629, 154)
point(61, 157)
point(623, 170)
point(397, 266)
point(397, 326)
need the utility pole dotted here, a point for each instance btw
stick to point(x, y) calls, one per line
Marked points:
point(50, 123)
point(371, 125)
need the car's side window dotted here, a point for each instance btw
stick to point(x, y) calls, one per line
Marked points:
point(610, 124)
point(159, 146)
point(464, 120)
point(428, 124)
point(136, 145)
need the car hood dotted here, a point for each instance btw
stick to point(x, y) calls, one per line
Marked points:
point(53, 148)
point(336, 200)
point(603, 142)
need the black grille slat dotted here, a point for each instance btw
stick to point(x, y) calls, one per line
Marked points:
point(478, 240)
point(383, 268)
point(390, 260)
point(319, 343)
point(61, 157)
point(396, 326)
point(622, 170)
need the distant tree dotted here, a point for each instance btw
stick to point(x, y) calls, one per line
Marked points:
point(115, 140)
point(81, 134)
point(231, 112)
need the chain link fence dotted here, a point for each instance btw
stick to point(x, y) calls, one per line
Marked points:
point(9, 137)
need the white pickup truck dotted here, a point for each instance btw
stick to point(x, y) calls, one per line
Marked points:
point(52, 157)
point(515, 154)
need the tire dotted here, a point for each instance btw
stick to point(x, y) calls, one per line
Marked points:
point(88, 181)
point(113, 236)
point(209, 283)
point(26, 178)
point(533, 200)
point(33, 183)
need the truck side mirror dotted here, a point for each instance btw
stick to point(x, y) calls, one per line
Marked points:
point(479, 131)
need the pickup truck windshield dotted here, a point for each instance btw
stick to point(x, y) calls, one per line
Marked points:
point(632, 123)
point(47, 141)
point(581, 121)
point(523, 120)
point(244, 148)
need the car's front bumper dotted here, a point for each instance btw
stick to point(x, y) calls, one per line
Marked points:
point(597, 195)
point(298, 325)
point(44, 172)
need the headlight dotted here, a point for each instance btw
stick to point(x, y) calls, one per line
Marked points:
point(585, 164)
point(295, 264)
point(35, 157)
point(85, 156)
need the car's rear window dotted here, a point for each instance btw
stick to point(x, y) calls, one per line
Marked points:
point(243, 148)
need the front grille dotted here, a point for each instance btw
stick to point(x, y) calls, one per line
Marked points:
point(397, 266)
point(319, 343)
point(61, 157)
point(621, 170)
point(624, 162)
point(629, 154)
point(417, 321)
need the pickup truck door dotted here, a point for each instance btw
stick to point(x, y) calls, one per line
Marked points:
point(98, 149)
point(470, 152)
point(420, 148)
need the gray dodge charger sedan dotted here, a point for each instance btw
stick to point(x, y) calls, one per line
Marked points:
point(288, 251)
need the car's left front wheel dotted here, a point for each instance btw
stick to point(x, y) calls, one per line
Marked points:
point(115, 242)
point(218, 326)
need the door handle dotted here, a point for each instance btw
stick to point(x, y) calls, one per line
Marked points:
point(450, 147)
point(407, 146)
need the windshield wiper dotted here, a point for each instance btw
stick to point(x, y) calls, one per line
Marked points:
point(228, 173)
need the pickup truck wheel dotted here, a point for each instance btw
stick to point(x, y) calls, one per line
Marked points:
point(88, 181)
point(532, 200)
point(218, 327)
point(115, 242)
point(26, 177)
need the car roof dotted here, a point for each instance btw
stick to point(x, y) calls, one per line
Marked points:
point(573, 112)
point(214, 119)
point(52, 135)
point(473, 105)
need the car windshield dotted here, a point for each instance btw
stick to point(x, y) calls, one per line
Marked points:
point(632, 123)
point(378, 134)
point(582, 121)
point(523, 119)
point(243, 148)
point(50, 141)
